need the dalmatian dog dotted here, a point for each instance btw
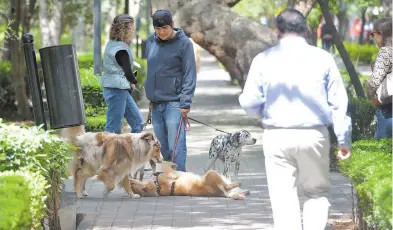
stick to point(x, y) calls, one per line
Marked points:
point(228, 148)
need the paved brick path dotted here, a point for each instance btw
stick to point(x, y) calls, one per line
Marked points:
point(215, 103)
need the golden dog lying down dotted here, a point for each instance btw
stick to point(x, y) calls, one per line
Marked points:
point(110, 156)
point(170, 182)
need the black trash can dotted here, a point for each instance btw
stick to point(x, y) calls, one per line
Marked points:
point(63, 86)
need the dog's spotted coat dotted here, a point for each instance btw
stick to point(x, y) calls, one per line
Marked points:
point(228, 148)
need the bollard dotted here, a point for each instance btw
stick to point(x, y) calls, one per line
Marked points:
point(34, 80)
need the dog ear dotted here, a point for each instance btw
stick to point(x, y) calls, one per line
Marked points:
point(102, 137)
point(235, 137)
point(147, 136)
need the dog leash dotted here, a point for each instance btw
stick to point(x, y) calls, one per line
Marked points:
point(187, 128)
point(219, 130)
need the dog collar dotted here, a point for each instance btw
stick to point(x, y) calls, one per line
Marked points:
point(173, 189)
point(156, 183)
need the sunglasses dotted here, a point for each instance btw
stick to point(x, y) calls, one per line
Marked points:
point(373, 33)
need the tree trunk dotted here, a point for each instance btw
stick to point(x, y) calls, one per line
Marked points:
point(111, 15)
point(304, 6)
point(343, 20)
point(341, 49)
point(233, 39)
point(17, 61)
point(51, 22)
point(134, 6)
point(361, 36)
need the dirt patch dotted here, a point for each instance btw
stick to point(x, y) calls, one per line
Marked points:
point(342, 224)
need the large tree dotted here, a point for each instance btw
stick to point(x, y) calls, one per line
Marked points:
point(233, 39)
point(20, 14)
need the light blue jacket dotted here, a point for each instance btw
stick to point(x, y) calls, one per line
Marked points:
point(113, 76)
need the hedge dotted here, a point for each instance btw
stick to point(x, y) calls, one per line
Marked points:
point(14, 203)
point(38, 151)
point(36, 187)
point(370, 170)
point(361, 52)
point(362, 113)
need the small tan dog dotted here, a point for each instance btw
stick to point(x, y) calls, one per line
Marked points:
point(111, 157)
point(170, 182)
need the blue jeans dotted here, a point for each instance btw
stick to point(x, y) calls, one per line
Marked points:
point(121, 104)
point(384, 126)
point(165, 120)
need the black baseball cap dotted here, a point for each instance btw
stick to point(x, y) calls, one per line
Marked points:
point(162, 18)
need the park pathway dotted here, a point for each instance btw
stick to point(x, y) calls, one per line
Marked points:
point(216, 103)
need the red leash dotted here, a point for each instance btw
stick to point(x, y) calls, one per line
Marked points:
point(187, 128)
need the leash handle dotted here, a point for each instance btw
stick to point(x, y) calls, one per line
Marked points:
point(187, 127)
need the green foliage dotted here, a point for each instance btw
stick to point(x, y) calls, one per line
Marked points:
point(254, 9)
point(37, 186)
point(370, 169)
point(36, 150)
point(363, 53)
point(362, 113)
point(91, 89)
point(14, 203)
point(7, 91)
point(348, 84)
point(97, 123)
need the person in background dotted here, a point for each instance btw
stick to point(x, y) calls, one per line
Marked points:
point(170, 84)
point(297, 91)
point(118, 77)
point(382, 34)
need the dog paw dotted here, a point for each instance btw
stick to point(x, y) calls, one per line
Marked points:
point(239, 182)
point(135, 196)
point(246, 192)
point(85, 193)
point(79, 196)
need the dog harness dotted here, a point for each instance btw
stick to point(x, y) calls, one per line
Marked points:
point(158, 187)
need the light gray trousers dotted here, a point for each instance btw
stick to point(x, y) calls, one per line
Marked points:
point(297, 163)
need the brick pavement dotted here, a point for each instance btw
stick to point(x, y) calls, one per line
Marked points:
point(215, 103)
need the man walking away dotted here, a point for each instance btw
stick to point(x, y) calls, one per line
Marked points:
point(298, 92)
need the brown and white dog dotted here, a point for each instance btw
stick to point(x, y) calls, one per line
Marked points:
point(110, 156)
point(170, 182)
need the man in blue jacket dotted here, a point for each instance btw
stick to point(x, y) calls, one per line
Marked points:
point(170, 84)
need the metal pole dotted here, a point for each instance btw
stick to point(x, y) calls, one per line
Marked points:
point(148, 15)
point(126, 6)
point(97, 37)
point(34, 80)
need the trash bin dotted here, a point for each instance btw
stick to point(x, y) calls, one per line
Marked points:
point(62, 86)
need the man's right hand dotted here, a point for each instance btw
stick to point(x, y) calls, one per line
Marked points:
point(344, 153)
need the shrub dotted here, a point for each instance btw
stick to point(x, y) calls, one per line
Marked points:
point(348, 84)
point(370, 169)
point(14, 203)
point(37, 186)
point(362, 113)
point(36, 150)
point(7, 92)
point(363, 53)
point(91, 89)
point(97, 124)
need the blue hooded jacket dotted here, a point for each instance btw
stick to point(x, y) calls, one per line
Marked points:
point(171, 69)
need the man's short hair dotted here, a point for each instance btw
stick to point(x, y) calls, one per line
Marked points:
point(291, 21)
